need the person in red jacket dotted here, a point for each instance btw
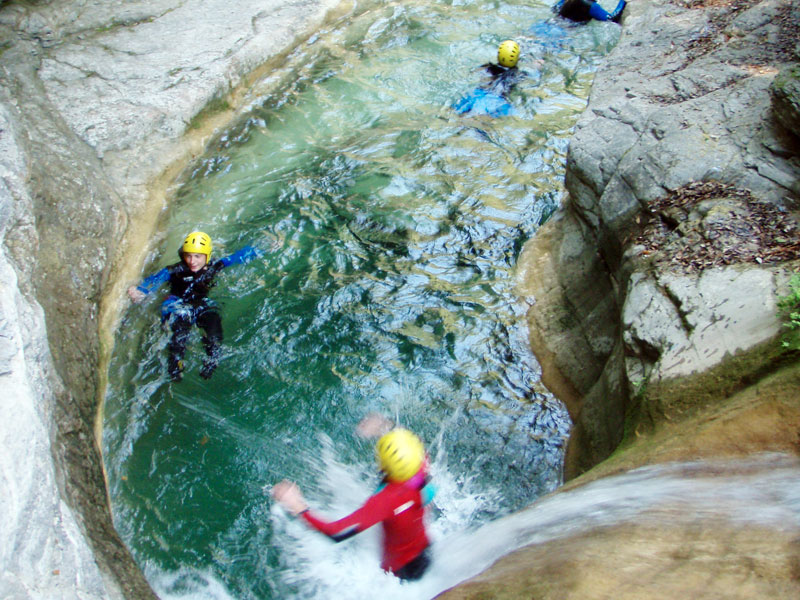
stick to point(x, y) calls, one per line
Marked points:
point(398, 504)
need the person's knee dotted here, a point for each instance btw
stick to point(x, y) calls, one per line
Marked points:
point(211, 323)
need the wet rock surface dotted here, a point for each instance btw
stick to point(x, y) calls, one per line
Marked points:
point(697, 529)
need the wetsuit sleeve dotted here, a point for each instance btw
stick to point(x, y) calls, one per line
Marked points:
point(598, 13)
point(374, 511)
point(156, 279)
point(241, 257)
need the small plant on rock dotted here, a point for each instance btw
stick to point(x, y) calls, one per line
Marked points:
point(790, 307)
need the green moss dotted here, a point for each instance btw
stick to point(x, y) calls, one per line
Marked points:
point(123, 23)
point(789, 307)
point(215, 106)
point(677, 399)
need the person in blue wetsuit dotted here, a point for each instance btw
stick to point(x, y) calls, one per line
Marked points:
point(187, 304)
point(585, 10)
point(490, 98)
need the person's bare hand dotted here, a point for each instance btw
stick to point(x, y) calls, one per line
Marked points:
point(288, 495)
point(374, 425)
point(136, 294)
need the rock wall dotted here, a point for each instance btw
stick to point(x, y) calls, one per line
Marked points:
point(680, 224)
point(99, 105)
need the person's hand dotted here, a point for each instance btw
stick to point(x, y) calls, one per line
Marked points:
point(374, 425)
point(136, 294)
point(288, 495)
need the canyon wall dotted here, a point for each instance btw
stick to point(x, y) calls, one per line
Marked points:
point(101, 104)
point(654, 316)
point(679, 230)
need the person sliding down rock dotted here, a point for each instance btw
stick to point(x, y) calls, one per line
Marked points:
point(585, 10)
point(398, 504)
point(187, 304)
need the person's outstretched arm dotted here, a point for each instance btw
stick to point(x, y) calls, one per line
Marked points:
point(138, 292)
point(242, 256)
point(374, 511)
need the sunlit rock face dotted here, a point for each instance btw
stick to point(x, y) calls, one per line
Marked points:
point(42, 551)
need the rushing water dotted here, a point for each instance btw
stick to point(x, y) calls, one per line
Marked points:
point(391, 227)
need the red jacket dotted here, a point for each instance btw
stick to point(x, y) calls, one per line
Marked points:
point(400, 508)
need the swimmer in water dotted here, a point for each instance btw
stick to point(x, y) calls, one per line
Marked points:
point(187, 303)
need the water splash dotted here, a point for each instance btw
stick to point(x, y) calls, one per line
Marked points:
point(761, 491)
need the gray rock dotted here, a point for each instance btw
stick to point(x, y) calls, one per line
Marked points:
point(785, 90)
point(683, 324)
point(684, 97)
point(96, 99)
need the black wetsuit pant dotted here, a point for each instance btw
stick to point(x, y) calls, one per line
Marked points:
point(416, 568)
point(206, 318)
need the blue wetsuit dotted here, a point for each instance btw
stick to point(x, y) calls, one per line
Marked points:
point(490, 97)
point(585, 10)
point(188, 304)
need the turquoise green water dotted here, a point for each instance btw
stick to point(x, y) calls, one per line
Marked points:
point(391, 228)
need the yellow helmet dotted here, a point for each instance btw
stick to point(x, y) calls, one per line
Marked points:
point(198, 242)
point(400, 454)
point(508, 53)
